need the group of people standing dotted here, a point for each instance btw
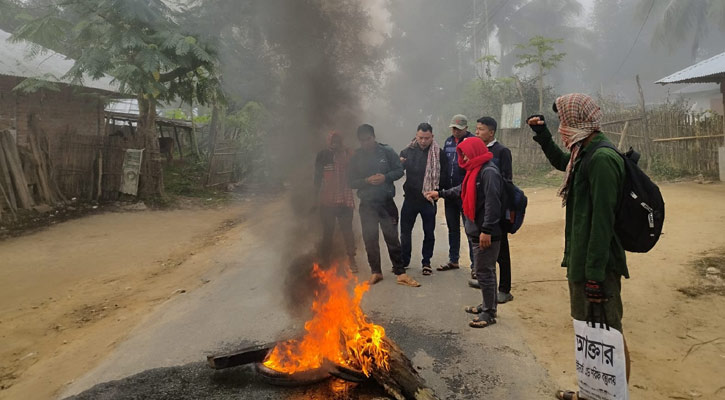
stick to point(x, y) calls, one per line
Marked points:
point(469, 179)
point(469, 173)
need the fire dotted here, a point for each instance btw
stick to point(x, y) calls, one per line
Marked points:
point(339, 331)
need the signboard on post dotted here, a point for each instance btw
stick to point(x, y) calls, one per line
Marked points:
point(131, 170)
point(511, 116)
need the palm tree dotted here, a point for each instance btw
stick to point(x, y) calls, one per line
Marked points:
point(683, 20)
point(520, 20)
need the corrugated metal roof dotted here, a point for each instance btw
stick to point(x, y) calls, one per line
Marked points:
point(710, 70)
point(48, 66)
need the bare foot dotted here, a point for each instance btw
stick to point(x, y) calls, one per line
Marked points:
point(375, 278)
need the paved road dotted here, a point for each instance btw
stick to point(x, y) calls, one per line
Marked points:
point(246, 305)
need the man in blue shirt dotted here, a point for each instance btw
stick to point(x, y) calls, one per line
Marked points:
point(453, 206)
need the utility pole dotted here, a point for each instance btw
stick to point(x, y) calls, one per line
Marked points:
point(475, 45)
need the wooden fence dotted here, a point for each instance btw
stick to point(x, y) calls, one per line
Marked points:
point(671, 142)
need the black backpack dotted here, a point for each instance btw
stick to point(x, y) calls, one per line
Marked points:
point(514, 207)
point(640, 211)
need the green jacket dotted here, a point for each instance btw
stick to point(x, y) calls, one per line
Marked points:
point(591, 249)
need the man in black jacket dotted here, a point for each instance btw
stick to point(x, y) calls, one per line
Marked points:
point(372, 171)
point(454, 212)
point(425, 166)
point(486, 130)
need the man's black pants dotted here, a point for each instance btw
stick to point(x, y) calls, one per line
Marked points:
point(408, 215)
point(504, 265)
point(382, 215)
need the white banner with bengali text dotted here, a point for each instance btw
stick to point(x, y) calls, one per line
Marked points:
point(600, 363)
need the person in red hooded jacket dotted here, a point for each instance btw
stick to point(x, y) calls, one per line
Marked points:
point(480, 193)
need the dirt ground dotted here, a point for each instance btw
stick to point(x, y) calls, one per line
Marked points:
point(70, 293)
point(677, 342)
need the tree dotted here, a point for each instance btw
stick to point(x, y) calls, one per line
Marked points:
point(684, 21)
point(142, 47)
point(540, 53)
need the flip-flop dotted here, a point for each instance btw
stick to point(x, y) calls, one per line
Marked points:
point(408, 282)
point(448, 267)
point(427, 270)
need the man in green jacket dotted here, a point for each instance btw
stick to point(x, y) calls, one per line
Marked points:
point(593, 256)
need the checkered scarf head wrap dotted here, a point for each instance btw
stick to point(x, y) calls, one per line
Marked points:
point(579, 118)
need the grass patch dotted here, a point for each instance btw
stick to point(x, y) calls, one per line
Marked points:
point(706, 281)
point(538, 178)
point(187, 180)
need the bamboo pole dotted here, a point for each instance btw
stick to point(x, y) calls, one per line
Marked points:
point(643, 110)
point(5, 180)
point(624, 133)
point(677, 139)
point(25, 200)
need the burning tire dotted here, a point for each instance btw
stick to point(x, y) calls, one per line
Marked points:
point(300, 378)
point(347, 374)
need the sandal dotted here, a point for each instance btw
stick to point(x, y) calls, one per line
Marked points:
point(448, 267)
point(474, 309)
point(427, 270)
point(406, 280)
point(482, 321)
point(567, 395)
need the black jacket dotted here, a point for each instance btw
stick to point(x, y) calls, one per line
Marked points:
point(489, 189)
point(381, 160)
point(502, 159)
point(416, 160)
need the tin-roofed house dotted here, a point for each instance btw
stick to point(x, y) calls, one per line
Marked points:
point(53, 138)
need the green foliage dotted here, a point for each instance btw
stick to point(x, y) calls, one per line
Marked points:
point(683, 21)
point(137, 42)
point(539, 49)
point(32, 85)
point(187, 179)
point(485, 97)
point(540, 53)
point(247, 128)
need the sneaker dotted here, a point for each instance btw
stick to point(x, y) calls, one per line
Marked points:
point(474, 283)
point(404, 279)
point(502, 297)
point(375, 278)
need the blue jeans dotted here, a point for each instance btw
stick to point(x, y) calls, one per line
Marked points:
point(454, 216)
point(408, 215)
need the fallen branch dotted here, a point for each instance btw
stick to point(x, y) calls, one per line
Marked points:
point(698, 345)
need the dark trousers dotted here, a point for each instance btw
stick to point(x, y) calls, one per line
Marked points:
point(383, 216)
point(454, 216)
point(484, 263)
point(343, 216)
point(408, 215)
point(504, 265)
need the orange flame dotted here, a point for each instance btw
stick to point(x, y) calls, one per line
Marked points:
point(339, 331)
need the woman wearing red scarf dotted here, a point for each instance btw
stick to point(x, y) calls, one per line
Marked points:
point(481, 196)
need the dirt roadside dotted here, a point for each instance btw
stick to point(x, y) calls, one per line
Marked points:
point(68, 294)
point(661, 324)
